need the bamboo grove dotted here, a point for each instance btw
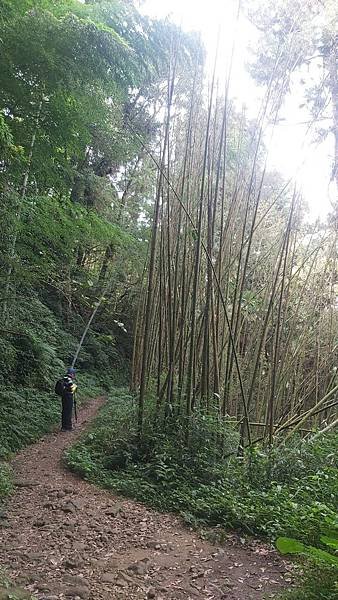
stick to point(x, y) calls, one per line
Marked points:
point(238, 313)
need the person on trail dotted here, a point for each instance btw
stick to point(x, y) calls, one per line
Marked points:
point(68, 399)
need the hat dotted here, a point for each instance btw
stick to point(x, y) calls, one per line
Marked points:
point(71, 371)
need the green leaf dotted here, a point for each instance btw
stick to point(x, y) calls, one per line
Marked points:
point(330, 541)
point(321, 555)
point(289, 546)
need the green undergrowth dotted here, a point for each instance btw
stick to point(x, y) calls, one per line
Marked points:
point(315, 582)
point(289, 491)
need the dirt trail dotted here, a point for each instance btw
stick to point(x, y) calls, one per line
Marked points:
point(63, 538)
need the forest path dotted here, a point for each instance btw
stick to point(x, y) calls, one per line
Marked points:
point(62, 537)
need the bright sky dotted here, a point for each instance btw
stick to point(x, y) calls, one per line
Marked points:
point(290, 151)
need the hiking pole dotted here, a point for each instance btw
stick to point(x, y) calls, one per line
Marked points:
point(96, 307)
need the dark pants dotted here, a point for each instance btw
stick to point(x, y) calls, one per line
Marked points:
point(67, 409)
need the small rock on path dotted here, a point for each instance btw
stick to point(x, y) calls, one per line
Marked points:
point(65, 539)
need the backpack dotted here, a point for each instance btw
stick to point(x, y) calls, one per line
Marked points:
point(59, 387)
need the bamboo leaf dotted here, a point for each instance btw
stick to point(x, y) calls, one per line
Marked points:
point(287, 545)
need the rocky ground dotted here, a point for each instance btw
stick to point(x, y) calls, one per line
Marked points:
point(61, 537)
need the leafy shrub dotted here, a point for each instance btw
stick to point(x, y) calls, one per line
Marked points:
point(319, 579)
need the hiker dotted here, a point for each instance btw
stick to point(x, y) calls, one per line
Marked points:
point(68, 399)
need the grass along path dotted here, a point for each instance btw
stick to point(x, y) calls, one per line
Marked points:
point(62, 537)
